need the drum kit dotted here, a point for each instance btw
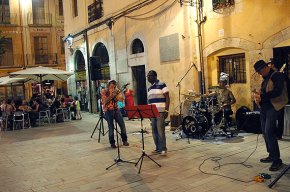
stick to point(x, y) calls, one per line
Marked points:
point(204, 115)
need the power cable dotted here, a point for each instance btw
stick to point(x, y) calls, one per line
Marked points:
point(217, 159)
point(150, 10)
point(155, 15)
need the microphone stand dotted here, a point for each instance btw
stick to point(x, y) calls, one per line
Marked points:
point(179, 87)
point(118, 159)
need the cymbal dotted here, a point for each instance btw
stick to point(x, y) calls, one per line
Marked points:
point(213, 87)
point(208, 94)
point(186, 95)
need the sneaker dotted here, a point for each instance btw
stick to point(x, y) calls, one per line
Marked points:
point(125, 143)
point(276, 165)
point(163, 153)
point(155, 152)
point(266, 160)
point(113, 146)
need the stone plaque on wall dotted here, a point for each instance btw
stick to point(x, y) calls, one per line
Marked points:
point(169, 48)
point(121, 60)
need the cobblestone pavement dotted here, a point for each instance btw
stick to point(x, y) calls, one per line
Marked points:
point(64, 158)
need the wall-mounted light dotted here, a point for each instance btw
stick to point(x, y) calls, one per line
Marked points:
point(188, 2)
point(69, 40)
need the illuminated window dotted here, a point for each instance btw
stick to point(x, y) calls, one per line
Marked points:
point(4, 12)
point(41, 50)
point(235, 66)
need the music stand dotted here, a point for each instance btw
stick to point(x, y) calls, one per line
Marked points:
point(141, 112)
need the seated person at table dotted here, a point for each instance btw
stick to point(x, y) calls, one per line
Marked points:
point(55, 105)
point(24, 106)
point(36, 107)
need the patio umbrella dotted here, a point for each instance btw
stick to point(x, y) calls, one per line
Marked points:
point(40, 74)
point(6, 80)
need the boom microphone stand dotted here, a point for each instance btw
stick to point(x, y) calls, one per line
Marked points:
point(118, 159)
point(179, 87)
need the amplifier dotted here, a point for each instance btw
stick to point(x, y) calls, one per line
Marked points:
point(250, 123)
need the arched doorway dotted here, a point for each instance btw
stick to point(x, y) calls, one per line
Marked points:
point(139, 74)
point(100, 51)
point(80, 78)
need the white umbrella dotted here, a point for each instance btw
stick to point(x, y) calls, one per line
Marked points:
point(40, 74)
point(6, 80)
point(9, 80)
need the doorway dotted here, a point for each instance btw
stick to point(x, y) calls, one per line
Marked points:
point(282, 56)
point(139, 77)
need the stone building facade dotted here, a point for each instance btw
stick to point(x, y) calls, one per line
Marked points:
point(34, 32)
point(188, 43)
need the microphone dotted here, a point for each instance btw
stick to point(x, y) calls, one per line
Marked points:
point(123, 87)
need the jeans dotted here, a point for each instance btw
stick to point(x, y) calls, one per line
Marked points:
point(158, 132)
point(268, 124)
point(110, 115)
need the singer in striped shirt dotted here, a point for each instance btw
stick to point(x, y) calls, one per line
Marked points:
point(158, 94)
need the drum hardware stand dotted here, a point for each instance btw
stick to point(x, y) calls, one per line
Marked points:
point(142, 111)
point(179, 87)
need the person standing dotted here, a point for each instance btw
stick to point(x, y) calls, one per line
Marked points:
point(129, 96)
point(77, 103)
point(271, 98)
point(272, 63)
point(110, 97)
point(158, 94)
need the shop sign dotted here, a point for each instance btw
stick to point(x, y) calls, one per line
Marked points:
point(80, 76)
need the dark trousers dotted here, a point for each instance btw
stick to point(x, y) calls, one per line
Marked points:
point(116, 115)
point(268, 119)
point(280, 126)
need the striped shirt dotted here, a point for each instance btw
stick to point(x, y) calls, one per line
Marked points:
point(156, 95)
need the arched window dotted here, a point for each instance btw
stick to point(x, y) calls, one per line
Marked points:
point(80, 61)
point(137, 46)
point(101, 51)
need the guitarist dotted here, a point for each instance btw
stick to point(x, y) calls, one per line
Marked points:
point(272, 63)
point(110, 97)
point(271, 98)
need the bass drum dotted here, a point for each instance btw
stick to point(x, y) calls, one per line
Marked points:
point(195, 125)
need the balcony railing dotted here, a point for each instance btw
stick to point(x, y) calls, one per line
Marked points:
point(39, 19)
point(8, 19)
point(42, 59)
point(9, 60)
